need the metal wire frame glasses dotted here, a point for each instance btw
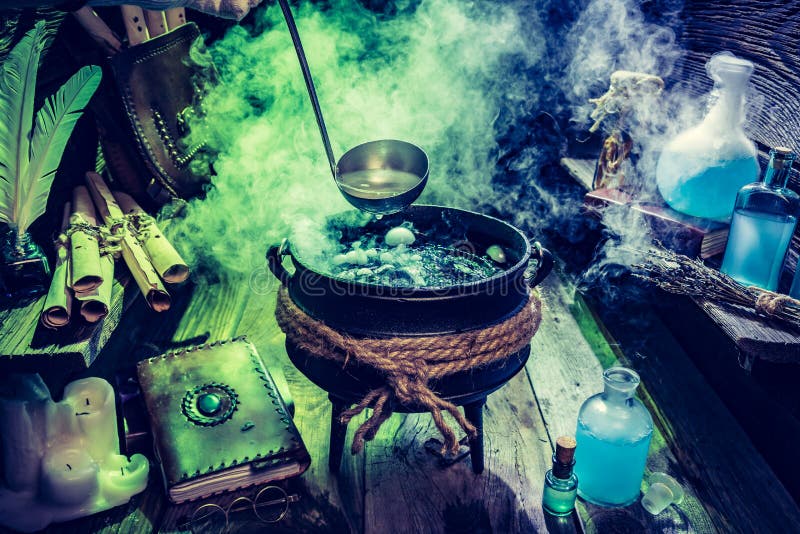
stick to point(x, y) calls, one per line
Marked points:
point(270, 505)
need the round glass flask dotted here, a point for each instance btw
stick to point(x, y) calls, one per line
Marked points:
point(613, 436)
point(700, 170)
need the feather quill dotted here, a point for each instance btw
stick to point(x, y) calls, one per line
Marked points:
point(54, 124)
point(17, 87)
point(30, 152)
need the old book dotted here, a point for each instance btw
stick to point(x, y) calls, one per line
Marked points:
point(218, 421)
point(685, 234)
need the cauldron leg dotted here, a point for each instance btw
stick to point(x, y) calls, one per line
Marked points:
point(338, 433)
point(474, 414)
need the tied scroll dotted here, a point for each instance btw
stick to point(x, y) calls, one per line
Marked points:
point(167, 262)
point(132, 252)
point(86, 274)
point(58, 303)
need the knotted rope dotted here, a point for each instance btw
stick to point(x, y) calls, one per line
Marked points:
point(409, 363)
point(771, 304)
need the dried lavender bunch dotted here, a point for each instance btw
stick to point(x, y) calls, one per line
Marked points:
point(679, 274)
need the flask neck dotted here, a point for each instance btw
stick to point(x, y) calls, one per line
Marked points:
point(620, 384)
point(728, 110)
point(779, 169)
point(19, 245)
point(562, 470)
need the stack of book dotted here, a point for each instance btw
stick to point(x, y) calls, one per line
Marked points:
point(682, 233)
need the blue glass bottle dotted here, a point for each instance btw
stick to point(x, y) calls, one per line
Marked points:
point(764, 219)
point(613, 437)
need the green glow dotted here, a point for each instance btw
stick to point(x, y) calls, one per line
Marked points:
point(430, 76)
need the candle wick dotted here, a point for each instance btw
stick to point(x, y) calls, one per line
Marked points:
point(69, 467)
point(87, 401)
point(122, 470)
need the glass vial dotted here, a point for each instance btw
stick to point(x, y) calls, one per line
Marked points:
point(764, 219)
point(560, 483)
point(700, 170)
point(613, 438)
point(24, 267)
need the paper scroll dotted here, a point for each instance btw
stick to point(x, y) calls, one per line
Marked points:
point(132, 252)
point(84, 248)
point(94, 304)
point(167, 262)
point(58, 303)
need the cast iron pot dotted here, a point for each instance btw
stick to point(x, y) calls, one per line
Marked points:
point(377, 310)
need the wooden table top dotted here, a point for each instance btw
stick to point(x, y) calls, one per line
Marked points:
point(397, 486)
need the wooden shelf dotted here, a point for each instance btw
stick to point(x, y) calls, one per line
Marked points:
point(754, 337)
point(27, 347)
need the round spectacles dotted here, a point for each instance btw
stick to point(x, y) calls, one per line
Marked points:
point(270, 505)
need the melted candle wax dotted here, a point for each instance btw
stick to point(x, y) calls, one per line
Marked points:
point(62, 459)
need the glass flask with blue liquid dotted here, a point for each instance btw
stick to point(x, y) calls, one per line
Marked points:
point(613, 437)
point(764, 219)
point(700, 171)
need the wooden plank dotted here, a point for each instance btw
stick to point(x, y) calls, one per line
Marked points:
point(734, 483)
point(26, 346)
point(407, 491)
point(765, 401)
point(332, 502)
point(754, 337)
point(566, 368)
point(223, 310)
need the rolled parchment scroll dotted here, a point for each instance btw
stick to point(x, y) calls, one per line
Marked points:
point(94, 304)
point(58, 303)
point(134, 255)
point(168, 263)
point(84, 262)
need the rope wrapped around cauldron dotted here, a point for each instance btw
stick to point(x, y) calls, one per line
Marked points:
point(409, 363)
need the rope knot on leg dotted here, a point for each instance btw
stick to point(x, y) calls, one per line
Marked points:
point(409, 364)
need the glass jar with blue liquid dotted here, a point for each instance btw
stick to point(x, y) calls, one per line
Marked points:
point(764, 219)
point(613, 437)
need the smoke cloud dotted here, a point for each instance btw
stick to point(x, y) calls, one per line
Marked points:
point(436, 74)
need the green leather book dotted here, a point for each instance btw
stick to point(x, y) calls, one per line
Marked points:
point(218, 421)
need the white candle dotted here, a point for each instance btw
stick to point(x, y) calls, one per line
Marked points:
point(69, 475)
point(121, 479)
point(92, 402)
point(71, 447)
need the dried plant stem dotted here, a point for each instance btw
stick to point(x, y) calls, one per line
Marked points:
point(682, 275)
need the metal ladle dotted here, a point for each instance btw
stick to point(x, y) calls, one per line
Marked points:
point(381, 177)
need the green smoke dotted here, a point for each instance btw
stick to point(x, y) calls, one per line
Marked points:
point(436, 76)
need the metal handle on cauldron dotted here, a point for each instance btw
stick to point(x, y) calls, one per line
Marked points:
point(275, 255)
point(545, 264)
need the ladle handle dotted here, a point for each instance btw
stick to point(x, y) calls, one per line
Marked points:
point(312, 93)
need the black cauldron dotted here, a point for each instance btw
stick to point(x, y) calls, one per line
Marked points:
point(378, 310)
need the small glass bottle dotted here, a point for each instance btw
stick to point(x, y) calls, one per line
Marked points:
point(764, 219)
point(701, 169)
point(560, 483)
point(24, 268)
point(613, 437)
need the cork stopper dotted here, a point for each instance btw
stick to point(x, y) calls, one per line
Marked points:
point(565, 449)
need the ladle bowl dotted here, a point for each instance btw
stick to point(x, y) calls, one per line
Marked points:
point(382, 176)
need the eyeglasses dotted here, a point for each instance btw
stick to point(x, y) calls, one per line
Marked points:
point(270, 505)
